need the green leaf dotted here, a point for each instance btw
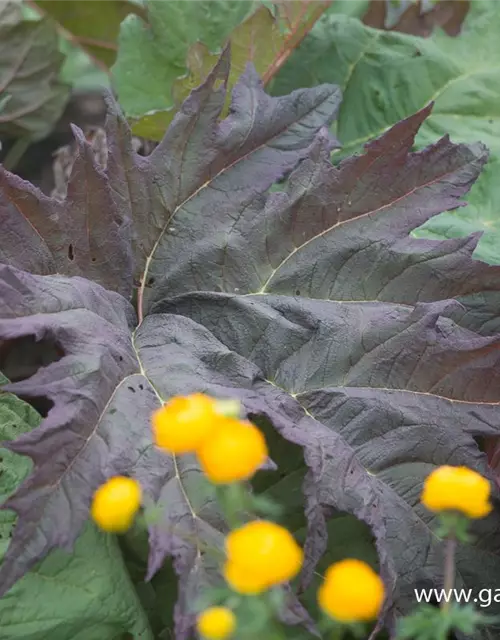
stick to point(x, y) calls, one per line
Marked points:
point(386, 76)
point(353, 8)
point(79, 70)
point(158, 65)
point(152, 56)
point(158, 595)
point(30, 63)
point(85, 595)
point(481, 214)
point(92, 25)
point(16, 418)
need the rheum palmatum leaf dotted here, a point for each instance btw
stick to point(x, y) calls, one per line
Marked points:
point(375, 352)
point(461, 74)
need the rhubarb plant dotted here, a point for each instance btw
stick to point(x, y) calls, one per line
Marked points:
point(238, 261)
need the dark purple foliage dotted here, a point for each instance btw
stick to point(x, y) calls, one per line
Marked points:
point(376, 352)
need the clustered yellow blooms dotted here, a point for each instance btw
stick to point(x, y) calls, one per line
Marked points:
point(351, 592)
point(457, 489)
point(262, 554)
point(228, 449)
point(216, 623)
point(115, 504)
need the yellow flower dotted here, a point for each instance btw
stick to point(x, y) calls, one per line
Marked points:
point(351, 592)
point(457, 489)
point(183, 423)
point(234, 452)
point(244, 581)
point(260, 554)
point(116, 503)
point(216, 623)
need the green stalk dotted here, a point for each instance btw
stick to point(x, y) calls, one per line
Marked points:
point(449, 569)
point(337, 632)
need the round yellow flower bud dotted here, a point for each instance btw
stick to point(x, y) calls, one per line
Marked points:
point(183, 423)
point(234, 452)
point(115, 504)
point(351, 592)
point(216, 623)
point(244, 581)
point(260, 554)
point(457, 489)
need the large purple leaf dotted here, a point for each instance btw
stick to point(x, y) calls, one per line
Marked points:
point(374, 352)
point(84, 235)
point(203, 168)
point(406, 389)
point(342, 233)
point(79, 443)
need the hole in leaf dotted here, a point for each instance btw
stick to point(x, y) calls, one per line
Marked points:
point(151, 281)
point(71, 255)
point(21, 358)
point(141, 387)
point(41, 404)
point(297, 292)
point(131, 389)
point(93, 259)
point(288, 457)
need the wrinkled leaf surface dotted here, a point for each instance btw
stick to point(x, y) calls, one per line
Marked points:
point(386, 76)
point(86, 594)
point(374, 352)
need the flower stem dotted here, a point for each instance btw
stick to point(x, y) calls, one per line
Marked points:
point(337, 632)
point(449, 570)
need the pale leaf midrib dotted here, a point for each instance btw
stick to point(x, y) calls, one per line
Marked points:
point(274, 271)
point(180, 206)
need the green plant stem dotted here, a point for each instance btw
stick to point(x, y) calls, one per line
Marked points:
point(337, 632)
point(232, 499)
point(449, 570)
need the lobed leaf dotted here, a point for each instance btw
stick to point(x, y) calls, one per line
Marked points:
point(386, 76)
point(159, 63)
point(85, 234)
point(375, 353)
point(88, 593)
point(152, 56)
point(133, 200)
